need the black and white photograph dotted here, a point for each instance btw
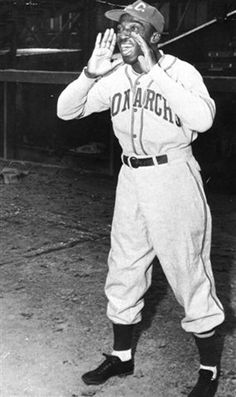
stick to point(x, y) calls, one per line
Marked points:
point(118, 198)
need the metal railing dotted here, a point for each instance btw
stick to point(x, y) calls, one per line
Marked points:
point(191, 31)
point(214, 83)
point(28, 76)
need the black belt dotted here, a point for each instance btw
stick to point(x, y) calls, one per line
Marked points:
point(136, 162)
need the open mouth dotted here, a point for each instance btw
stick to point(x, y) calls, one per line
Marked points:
point(126, 49)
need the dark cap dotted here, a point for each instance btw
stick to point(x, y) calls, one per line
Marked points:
point(142, 11)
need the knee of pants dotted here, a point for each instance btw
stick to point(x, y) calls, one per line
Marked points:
point(121, 314)
point(125, 288)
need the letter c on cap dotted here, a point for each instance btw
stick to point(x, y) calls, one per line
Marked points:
point(140, 7)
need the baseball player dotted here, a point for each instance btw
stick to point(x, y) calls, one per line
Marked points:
point(158, 104)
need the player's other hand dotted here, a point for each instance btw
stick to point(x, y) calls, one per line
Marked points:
point(147, 59)
point(101, 61)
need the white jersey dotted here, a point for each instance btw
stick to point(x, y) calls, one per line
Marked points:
point(152, 113)
point(160, 209)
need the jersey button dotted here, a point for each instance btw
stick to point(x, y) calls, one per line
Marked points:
point(134, 136)
point(135, 109)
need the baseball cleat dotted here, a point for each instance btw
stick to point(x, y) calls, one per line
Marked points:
point(205, 386)
point(111, 366)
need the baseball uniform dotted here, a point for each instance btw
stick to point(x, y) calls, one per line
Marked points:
point(160, 209)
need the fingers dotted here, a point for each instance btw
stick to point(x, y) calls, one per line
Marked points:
point(105, 38)
point(143, 63)
point(98, 40)
point(148, 60)
point(141, 42)
point(113, 42)
point(107, 41)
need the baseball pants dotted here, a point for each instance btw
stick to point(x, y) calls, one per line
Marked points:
point(162, 211)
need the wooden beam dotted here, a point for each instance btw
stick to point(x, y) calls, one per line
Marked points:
point(215, 83)
point(5, 99)
point(37, 76)
point(221, 83)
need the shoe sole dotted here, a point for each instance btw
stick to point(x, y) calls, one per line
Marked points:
point(101, 382)
point(210, 392)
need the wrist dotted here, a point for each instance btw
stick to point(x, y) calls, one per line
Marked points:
point(89, 75)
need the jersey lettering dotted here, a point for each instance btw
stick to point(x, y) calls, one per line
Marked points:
point(115, 105)
point(167, 112)
point(149, 100)
point(178, 121)
point(126, 100)
point(158, 109)
point(138, 98)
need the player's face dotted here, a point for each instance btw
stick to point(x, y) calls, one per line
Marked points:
point(128, 47)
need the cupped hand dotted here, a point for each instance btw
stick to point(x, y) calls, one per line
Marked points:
point(147, 59)
point(101, 61)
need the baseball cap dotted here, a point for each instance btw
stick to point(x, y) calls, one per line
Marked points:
point(142, 11)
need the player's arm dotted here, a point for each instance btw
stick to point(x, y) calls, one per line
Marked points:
point(81, 98)
point(86, 95)
point(187, 95)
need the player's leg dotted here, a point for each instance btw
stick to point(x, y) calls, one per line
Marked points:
point(129, 277)
point(130, 257)
point(207, 341)
point(208, 347)
point(179, 221)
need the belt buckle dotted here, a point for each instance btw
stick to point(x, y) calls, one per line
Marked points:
point(163, 159)
point(134, 162)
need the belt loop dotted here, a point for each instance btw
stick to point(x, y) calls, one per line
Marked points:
point(125, 159)
point(128, 161)
point(155, 160)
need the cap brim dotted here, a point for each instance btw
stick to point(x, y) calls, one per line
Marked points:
point(114, 15)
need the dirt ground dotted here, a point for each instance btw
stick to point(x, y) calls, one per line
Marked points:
point(55, 227)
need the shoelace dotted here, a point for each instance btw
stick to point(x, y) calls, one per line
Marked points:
point(107, 363)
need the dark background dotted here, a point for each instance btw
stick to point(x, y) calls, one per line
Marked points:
point(33, 130)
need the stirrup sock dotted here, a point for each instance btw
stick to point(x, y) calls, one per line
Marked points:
point(124, 355)
point(212, 369)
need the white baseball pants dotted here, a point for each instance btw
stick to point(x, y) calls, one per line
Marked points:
point(162, 211)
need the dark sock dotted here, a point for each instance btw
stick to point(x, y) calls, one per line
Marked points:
point(208, 350)
point(122, 336)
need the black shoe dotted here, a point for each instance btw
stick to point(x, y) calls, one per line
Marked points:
point(205, 386)
point(112, 366)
